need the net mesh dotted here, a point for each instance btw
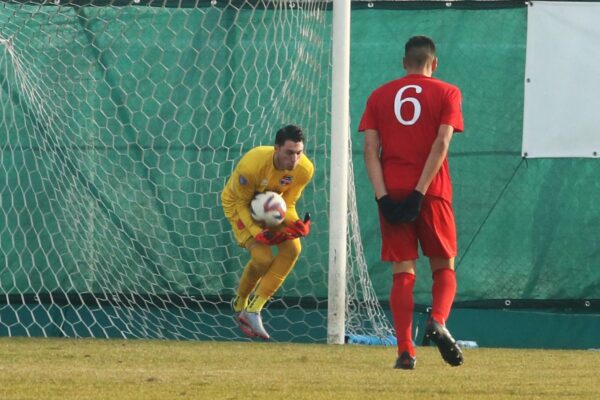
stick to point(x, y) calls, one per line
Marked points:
point(123, 121)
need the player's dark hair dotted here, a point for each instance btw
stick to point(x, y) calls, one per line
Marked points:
point(419, 50)
point(290, 132)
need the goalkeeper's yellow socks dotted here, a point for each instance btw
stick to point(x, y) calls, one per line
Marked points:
point(239, 303)
point(257, 303)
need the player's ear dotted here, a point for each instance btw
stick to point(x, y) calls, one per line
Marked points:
point(434, 64)
point(404, 62)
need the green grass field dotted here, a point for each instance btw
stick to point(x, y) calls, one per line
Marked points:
point(154, 369)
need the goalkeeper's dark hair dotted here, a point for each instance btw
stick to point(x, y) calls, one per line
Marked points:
point(290, 132)
point(419, 50)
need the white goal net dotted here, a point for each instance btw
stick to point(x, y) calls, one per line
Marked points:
point(121, 121)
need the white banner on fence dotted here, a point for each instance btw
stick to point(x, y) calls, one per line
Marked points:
point(562, 80)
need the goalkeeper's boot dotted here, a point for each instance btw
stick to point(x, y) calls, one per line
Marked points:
point(449, 349)
point(405, 361)
point(243, 326)
point(254, 322)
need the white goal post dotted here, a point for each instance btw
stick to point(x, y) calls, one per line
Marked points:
point(338, 207)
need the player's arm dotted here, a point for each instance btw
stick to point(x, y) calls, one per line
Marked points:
point(452, 121)
point(437, 155)
point(244, 187)
point(372, 148)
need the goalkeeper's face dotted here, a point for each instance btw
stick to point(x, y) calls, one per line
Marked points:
point(287, 156)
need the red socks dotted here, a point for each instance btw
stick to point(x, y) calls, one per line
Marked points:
point(402, 305)
point(442, 292)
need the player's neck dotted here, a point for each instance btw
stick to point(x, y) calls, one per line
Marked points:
point(275, 162)
point(426, 72)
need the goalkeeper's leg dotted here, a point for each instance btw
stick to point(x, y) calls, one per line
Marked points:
point(260, 261)
point(255, 269)
point(270, 282)
point(261, 258)
point(289, 251)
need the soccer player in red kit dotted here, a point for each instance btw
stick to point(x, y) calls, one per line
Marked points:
point(408, 124)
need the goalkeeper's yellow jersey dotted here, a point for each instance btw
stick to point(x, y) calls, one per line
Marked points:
point(256, 173)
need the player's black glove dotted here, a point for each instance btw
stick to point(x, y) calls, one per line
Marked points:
point(389, 208)
point(403, 211)
point(411, 206)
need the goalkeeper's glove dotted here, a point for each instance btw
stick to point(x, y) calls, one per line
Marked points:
point(270, 238)
point(299, 228)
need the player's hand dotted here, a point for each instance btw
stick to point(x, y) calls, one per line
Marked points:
point(389, 209)
point(299, 228)
point(270, 238)
point(411, 206)
point(403, 211)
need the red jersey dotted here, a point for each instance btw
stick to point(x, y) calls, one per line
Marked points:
point(407, 113)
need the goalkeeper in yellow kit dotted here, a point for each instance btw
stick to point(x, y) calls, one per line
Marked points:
point(285, 169)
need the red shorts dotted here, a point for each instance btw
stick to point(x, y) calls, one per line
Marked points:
point(434, 230)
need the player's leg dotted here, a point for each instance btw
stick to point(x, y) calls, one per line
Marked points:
point(261, 258)
point(443, 289)
point(437, 234)
point(399, 245)
point(402, 307)
point(442, 293)
point(282, 264)
point(260, 261)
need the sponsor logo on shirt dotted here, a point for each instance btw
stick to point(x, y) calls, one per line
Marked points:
point(240, 224)
point(286, 180)
point(243, 180)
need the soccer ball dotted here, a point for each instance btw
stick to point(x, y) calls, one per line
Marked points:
point(268, 208)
